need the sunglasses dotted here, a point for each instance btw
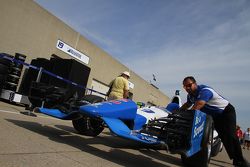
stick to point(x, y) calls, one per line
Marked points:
point(188, 85)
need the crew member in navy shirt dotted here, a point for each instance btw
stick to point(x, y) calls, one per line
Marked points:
point(207, 100)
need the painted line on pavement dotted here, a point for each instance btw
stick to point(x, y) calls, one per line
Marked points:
point(18, 113)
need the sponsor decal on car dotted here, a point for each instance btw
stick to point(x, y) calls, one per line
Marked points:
point(147, 138)
point(199, 126)
point(198, 130)
point(148, 110)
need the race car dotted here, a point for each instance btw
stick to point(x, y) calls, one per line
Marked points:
point(189, 133)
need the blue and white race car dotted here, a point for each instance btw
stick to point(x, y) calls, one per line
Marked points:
point(189, 133)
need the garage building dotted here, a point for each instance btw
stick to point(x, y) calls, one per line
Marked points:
point(29, 29)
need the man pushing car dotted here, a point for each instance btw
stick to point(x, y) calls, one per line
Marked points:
point(206, 99)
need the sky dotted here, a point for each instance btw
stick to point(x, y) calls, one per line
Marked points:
point(171, 39)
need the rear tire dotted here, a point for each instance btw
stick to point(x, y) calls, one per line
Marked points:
point(87, 125)
point(202, 158)
point(2, 81)
point(5, 62)
point(3, 69)
point(92, 99)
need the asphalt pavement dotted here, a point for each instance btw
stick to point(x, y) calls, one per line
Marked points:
point(40, 141)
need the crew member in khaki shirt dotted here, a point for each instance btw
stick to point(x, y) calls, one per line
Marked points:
point(119, 87)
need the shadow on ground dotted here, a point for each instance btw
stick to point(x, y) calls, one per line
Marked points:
point(67, 135)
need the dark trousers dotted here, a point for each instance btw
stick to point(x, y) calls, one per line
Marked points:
point(225, 125)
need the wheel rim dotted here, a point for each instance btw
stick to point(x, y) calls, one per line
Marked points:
point(209, 144)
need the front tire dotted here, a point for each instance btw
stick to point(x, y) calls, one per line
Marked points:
point(87, 125)
point(217, 147)
point(202, 158)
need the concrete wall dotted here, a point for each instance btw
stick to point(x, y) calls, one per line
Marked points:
point(29, 29)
